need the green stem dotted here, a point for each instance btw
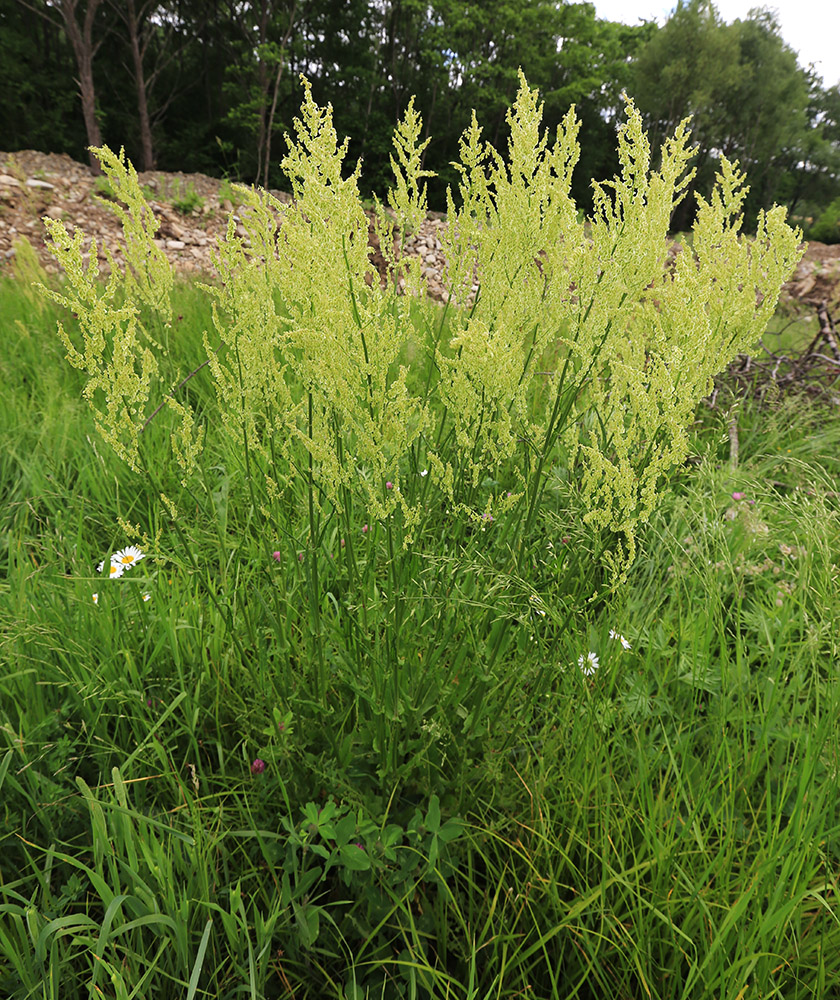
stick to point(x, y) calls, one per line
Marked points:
point(312, 567)
point(397, 623)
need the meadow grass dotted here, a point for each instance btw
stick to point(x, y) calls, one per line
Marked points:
point(256, 768)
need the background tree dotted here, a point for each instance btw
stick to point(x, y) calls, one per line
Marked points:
point(812, 179)
point(688, 67)
point(211, 85)
point(86, 32)
point(763, 121)
point(36, 60)
point(743, 87)
point(260, 35)
point(156, 33)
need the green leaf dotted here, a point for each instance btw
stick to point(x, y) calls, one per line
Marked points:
point(354, 858)
point(345, 828)
point(432, 821)
point(4, 767)
point(199, 959)
point(309, 924)
point(451, 830)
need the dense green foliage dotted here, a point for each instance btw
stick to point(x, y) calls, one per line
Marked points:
point(337, 735)
point(220, 83)
point(668, 827)
point(827, 227)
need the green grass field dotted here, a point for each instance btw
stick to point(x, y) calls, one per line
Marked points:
point(251, 766)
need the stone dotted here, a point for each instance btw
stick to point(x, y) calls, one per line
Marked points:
point(189, 248)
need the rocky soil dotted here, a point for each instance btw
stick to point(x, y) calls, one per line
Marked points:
point(34, 184)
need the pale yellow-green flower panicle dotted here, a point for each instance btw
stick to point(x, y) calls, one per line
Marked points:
point(572, 349)
point(148, 274)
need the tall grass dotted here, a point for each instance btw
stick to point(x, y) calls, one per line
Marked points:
point(348, 771)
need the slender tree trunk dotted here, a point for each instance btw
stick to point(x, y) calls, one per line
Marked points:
point(140, 80)
point(427, 131)
point(81, 39)
point(262, 80)
point(377, 55)
point(280, 66)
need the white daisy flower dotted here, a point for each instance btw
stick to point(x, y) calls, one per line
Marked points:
point(147, 597)
point(425, 472)
point(96, 598)
point(588, 664)
point(115, 571)
point(617, 635)
point(127, 557)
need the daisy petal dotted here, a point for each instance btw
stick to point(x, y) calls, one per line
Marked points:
point(128, 556)
point(588, 664)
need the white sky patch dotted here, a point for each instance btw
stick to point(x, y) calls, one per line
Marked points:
point(810, 27)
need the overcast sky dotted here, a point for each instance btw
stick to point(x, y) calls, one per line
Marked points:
point(810, 27)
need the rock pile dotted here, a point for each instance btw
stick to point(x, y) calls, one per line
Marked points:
point(816, 279)
point(193, 211)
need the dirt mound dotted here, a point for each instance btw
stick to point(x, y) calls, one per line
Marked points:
point(816, 280)
point(193, 210)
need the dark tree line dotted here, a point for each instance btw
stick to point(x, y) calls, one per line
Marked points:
point(212, 85)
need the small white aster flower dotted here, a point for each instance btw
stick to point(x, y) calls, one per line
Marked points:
point(147, 597)
point(617, 635)
point(127, 557)
point(96, 598)
point(588, 664)
point(425, 472)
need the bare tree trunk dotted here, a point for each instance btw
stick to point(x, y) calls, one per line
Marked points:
point(280, 66)
point(81, 38)
point(140, 80)
point(262, 77)
point(427, 131)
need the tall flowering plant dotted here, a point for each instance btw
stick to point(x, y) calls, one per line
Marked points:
point(580, 356)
